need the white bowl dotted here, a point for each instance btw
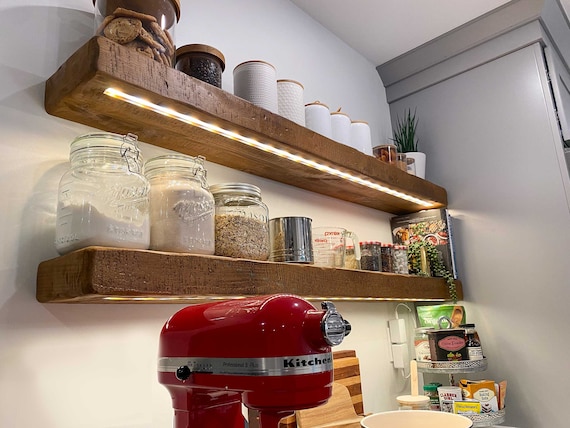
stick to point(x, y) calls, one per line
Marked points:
point(416, 419)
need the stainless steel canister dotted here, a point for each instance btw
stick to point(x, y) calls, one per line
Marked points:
point(291, 240)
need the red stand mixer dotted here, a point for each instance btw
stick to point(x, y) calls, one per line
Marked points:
point(271, 353)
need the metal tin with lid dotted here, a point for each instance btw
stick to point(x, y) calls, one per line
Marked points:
point(203, 62)
point(241, 221)
point(144, 26)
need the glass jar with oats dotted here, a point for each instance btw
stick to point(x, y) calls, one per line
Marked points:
point(241, 221)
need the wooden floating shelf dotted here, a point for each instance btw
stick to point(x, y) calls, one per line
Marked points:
point(75, 92)
point(115, 275)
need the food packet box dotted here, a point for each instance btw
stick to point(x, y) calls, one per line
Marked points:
point(471, 407)
point(436, 316)
point(483, 391)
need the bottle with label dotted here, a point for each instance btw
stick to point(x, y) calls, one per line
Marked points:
point(421, 344)
point(474, 350)
point(430, 390)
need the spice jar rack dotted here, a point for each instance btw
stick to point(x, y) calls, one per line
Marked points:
point(466, 366)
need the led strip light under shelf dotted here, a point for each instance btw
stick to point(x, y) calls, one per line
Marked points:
point(164, 111)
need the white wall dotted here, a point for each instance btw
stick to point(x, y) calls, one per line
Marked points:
point(493, 142)
point(94, 366)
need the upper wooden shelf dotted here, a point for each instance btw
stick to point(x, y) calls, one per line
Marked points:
point(75, 92)
point(115, 275)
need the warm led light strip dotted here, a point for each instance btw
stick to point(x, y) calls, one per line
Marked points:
point(139, 102)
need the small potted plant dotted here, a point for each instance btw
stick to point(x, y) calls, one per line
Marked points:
point(424, 259)
point(406, 141)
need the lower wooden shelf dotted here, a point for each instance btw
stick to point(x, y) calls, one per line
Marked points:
point(116, 275)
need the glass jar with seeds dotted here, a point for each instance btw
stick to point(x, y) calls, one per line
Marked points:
point(242, 229)
point(181, 206)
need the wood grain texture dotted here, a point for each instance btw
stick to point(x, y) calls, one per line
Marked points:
point(75, 92)
point(346, 368)
point(111, 275)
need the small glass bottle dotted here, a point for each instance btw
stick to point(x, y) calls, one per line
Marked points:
point(242, 221)
point(474, 350)
point(181, 206)
point(147, 27)
point(370, 255)
point(421, 344)
point(386, 257)
point(400, 259)
point(430, 391)
point(103, 199)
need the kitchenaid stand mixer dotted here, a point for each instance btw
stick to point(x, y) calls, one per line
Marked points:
point(271, 353)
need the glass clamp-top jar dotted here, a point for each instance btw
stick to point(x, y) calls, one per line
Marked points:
point(103, 199)
point(181, 206)
point(242, 221)
point(145, 26)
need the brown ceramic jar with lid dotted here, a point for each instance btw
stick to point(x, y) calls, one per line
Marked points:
point(145, 26)
point(203, 62)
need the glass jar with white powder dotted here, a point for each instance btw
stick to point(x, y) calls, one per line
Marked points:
point(242, 221)
point(181, 206)
point(103, 199)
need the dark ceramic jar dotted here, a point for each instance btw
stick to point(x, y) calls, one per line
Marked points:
point(202, 62)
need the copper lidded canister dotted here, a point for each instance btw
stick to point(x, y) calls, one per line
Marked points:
point(145, 26)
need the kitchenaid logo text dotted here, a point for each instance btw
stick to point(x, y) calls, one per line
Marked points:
point(291, 363)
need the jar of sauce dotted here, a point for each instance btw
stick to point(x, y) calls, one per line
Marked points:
point(474, 349)
point(144, 26)
point(103, 199)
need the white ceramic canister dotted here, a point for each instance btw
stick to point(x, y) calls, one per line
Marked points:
point(255, 81)
point(290, 100)
point(360, 137)
point(318, 118)
point(340, 127)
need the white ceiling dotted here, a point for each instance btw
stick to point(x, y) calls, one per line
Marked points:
point(384, 29)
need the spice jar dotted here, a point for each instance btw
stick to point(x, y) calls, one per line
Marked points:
point(241, 221)
point(370, 255)
point(203, 62)
point(400, 259)
point(474, 350)
point(144, 26)
point(103, 199)
point(386, 153)
point(181, 206)
point(430, 391)
point(386, 257)
point(421, 344)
